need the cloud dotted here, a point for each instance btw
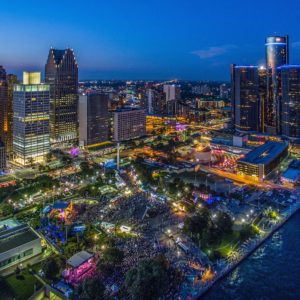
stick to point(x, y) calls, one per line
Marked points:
point(296, 45)
point(213, 51)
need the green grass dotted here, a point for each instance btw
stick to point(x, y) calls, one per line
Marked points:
point(22, 288)
point(225, 246)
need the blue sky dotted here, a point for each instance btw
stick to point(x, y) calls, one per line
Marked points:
point(158, 39)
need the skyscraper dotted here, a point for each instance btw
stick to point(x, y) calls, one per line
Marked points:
point(172, 93)
point(289, 96)
point(93, 118)
point(3, 106)
point(246, 97)
point(31, 120)
point(61, 72)
point(277, 54)
point(11, 81)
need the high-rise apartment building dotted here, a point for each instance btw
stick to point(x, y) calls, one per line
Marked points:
point(31, 120)
point(172, 94)
point(128, 124)
point(289, 98)
point(93, 118)
point(61, 72)
point(277, 54)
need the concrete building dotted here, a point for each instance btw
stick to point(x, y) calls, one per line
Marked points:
point(18, 243)
point(128, 124)
point(291, 177)
point(261, 161)
point(93, 118)
point(31, 120)
point(172, 92)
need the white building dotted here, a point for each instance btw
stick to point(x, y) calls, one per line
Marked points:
point(18, 244)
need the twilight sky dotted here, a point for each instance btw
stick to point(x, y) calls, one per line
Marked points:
point(142, 39)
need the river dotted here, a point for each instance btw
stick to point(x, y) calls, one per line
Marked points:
point(272, 272)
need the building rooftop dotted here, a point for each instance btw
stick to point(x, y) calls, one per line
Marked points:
point(291, 174)
point(295, 164)
point(79, 258)
point(60, 205)
point(58, 55)
point(8, 224)
point(15, 237)
point(264, 153)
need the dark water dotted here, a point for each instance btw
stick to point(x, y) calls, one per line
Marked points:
point(272, 272)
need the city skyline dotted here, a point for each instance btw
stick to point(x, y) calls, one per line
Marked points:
point(114, 40)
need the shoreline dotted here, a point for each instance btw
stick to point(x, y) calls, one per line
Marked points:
point(254, 245)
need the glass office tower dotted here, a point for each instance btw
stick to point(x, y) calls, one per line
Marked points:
point(277, 54)
point(246, 97)
point(289, 95)
point(3, 106)
point(11, 81)
point(61, 72)
point(31, 120)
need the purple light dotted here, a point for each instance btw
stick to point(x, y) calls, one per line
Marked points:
point(180, 127)
point(74, 151)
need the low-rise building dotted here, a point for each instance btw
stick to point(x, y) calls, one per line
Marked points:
point(80, 266)
point(261, 161)
point(291, 176)
point(18, 243)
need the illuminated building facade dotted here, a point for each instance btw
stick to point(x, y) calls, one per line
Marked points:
point(261, 161)
point(11, 81)
point(2, 157)
point(277, 54)
point(128, 124)
point(31, 120)
point(3, 106)
point(246, 97)
point(172, 96)
point(289, 96)
point(61, 72)
point(93, 118)
point(18, 245)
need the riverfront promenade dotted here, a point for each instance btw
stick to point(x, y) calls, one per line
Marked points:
point(224, 267)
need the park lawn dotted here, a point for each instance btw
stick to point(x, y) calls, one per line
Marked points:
point(225, 246)
point(23, 288)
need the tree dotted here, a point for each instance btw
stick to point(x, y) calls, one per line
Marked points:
point(150, 279)
point(84, 167)
point(30, 161)
point(223, 223)
point(48, 157)
point(90, 289)
point(51, 267)
point(66, 160)
point(198, 223)
point(113, 255)
point(6, 209)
